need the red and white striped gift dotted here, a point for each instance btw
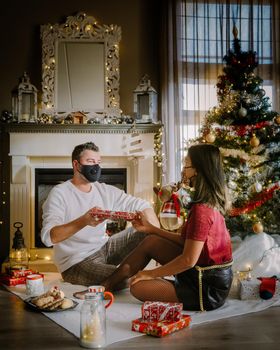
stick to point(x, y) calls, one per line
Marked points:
point(113, 215)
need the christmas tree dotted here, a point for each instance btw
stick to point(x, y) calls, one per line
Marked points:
point(247, 132)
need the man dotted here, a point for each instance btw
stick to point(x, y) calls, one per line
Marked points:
point(83, 252)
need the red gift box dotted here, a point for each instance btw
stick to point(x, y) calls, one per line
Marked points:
point(160, 329)
point(20, 272)
point(16, 277)
point(160, 311)
point(113, 215)
point(12, 281)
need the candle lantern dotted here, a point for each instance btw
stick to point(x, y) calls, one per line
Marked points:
point(24, 101)
point(145, 101)
point(18, 256)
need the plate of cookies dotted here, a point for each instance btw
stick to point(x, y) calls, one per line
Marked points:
point(51, 301)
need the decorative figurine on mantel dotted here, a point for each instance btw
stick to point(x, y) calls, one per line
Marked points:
point(79, 117)
point(24, 101)
point(145, 101)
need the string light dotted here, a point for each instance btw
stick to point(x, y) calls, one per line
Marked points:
point(88, 27)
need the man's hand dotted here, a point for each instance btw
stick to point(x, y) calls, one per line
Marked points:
point(92, 220)
point(61, 232)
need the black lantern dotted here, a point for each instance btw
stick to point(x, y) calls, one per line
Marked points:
point(24, 101)
point(18, 255)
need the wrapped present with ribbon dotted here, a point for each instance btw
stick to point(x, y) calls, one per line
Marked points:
point(113, 215)
point(12, 281)
point(162, 328)
point(161, 311)
point(13, 277)
point(260, 288)
point(19, 272)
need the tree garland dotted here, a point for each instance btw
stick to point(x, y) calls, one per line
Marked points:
point(242, 130)
point(257, 202)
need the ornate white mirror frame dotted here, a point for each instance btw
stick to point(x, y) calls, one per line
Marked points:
point(81, 29)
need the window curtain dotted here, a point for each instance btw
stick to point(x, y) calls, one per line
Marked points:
point(170, 101)
point(196, 35)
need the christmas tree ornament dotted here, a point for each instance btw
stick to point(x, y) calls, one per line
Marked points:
point(232, 185)
point(258, 227)
point(257, 187)
point(261, 92)
point(210, 138)
point(277, 119)
point(254, 141)
point(242, 112)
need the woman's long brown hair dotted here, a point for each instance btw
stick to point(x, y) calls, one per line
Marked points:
point(210, 184)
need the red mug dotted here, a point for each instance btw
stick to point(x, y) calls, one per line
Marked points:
point(101, 290)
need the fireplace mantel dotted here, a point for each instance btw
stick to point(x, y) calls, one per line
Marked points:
point(81, 128)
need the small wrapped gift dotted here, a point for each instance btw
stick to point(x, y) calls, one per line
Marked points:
point(160, 329)
point(20, 272)
point(250, 290)
point(12, 281)
point(113, 215)
point(161, 311)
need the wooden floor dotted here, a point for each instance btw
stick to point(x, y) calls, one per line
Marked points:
point(21, 329)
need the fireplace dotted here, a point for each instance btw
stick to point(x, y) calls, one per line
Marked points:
point(46, 179)
point(38, 151)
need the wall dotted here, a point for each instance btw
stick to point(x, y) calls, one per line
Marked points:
point(21, 51)
point(21, 43)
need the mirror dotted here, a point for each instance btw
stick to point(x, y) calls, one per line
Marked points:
point(80, 67)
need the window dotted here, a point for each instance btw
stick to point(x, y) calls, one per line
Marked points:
point(206, 30)
point(205, 37)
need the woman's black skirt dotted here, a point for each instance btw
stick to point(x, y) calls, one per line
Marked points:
point(215, 286)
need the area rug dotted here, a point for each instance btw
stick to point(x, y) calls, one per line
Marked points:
point(126, 308)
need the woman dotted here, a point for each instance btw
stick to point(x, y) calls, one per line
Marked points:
point(200, 259)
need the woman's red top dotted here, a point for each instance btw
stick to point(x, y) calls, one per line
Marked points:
point(208, 225)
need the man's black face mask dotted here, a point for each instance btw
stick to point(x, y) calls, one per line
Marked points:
point(91, 172)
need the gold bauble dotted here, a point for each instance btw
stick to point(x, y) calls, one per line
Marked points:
point(277, 119)
point(210, 138)
point(258, 227)
point(254, 142)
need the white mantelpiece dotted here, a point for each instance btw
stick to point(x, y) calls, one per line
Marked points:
point(51, 146)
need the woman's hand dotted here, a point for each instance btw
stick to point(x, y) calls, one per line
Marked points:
point(141, 224)
point(141, 276)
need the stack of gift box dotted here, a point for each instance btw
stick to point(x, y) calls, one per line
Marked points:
point(15, 276)
point(161, 318)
